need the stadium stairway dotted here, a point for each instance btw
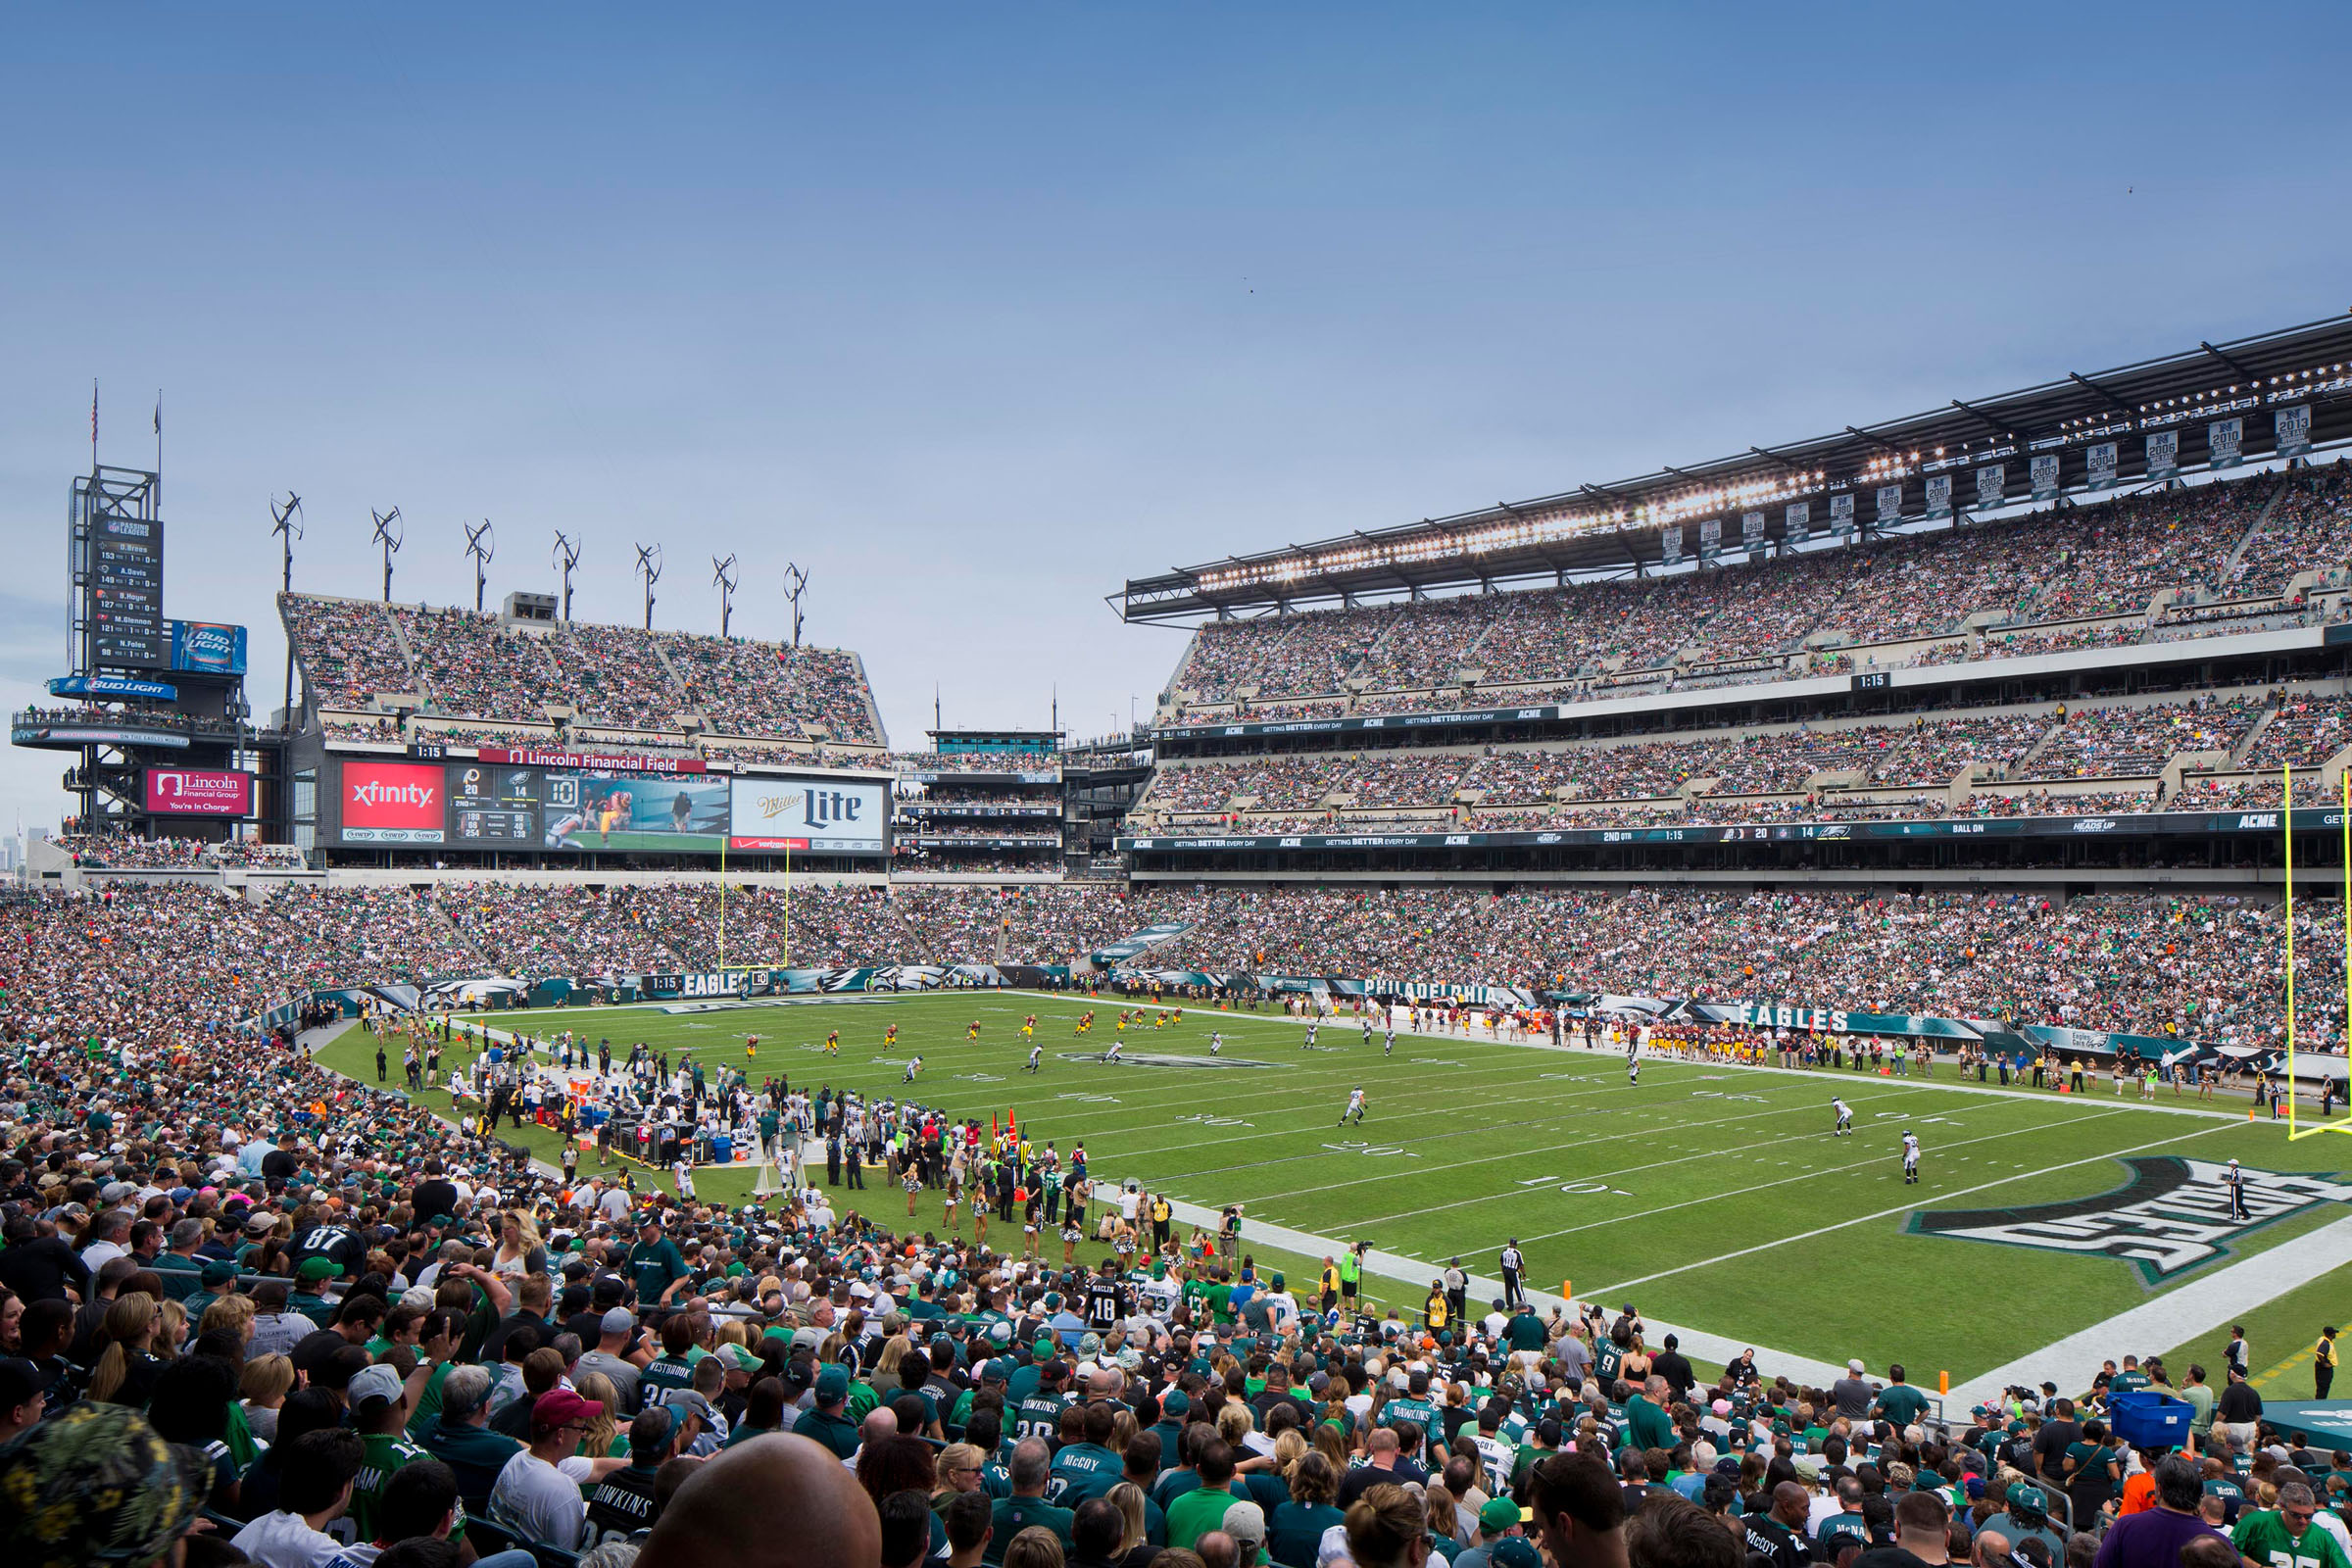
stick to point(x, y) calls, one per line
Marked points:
point(2262, 521)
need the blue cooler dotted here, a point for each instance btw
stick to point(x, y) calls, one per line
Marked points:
point(722, 1149)
point(2146, 1419)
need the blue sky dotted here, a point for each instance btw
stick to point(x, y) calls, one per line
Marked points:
point(977, 310)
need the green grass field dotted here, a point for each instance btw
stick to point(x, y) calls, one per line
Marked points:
point(1710, 1195)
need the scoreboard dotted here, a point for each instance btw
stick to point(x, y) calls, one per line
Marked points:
point(127, 593)
point(493, 805)
point(517, 801)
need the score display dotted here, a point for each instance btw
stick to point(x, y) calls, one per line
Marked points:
point(493, 805)
point(127, 593)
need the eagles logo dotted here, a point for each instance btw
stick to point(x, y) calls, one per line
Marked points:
point(2173, 1215)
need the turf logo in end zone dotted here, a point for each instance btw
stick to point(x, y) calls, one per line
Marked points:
point(1154, 1058)
point(2173, 1215)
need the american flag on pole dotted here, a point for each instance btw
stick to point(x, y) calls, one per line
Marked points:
point(93, 412)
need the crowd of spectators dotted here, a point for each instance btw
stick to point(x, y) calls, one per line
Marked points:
point(2119, 741)
point(2304, 732)
point(2309, 528)
point(976, 762)
point(2114, 557)
point(2152, 964)
point(130, 851)
point(762, 689)
point(347, 649)
point(2108, 559)
point(616, 676)
point(474, 665)
point(241, 1286)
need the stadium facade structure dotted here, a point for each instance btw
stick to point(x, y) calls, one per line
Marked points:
point(1762, 582)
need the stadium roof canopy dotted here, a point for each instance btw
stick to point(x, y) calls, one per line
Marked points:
point(1987, 452)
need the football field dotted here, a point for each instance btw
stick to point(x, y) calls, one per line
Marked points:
point(1711, 1196)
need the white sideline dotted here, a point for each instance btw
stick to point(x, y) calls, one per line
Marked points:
point(1417, 1274)
point(2216, 1299)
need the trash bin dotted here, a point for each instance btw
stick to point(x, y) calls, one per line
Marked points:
point(2146, 1419)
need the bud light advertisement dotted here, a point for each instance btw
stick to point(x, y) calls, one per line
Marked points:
point(198, 792)
point(823, 815)
point(208, 647)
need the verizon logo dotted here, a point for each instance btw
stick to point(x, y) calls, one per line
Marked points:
point(377, 793)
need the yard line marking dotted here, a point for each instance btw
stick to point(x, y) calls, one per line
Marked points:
point(1736, 1152)
point(1807, 1175)
point(1487, 1159)
point(1885, 1213)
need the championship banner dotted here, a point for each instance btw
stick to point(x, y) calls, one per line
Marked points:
point(2045, 473)
point(1992, 480)
point(2224, 443)
point(1842, 514)
point(1751, 530)
point(1670, 543)
point(1710, 538)
point(2164, 455)
point(1939, 495)
point(1796, 521)
point(2098, 465)
point(1890, 503)
point(2294, 430)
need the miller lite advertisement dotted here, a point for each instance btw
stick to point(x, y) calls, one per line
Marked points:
point(198, 792)
point(828, 817)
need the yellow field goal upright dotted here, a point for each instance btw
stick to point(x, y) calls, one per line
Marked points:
point(2286, 817)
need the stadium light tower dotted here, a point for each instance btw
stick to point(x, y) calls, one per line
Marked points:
point(481, 544)
point(286, 523)
point(720, 574)
point(649, 566)
point(389, 537)
point(567, 556)
point(796, 584)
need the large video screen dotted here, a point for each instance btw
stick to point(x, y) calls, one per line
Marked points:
point(681, 814)
point(491, 807)
point(830, 816)
point(391, 803)
point(198, 792)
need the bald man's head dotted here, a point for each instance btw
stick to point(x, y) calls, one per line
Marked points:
point(880, 1423)
point(724, 1515)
